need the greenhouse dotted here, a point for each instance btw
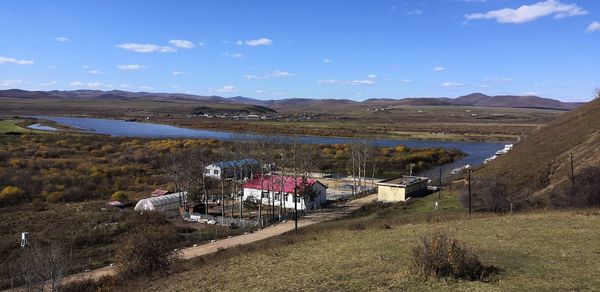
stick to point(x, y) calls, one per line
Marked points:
point(162, 203)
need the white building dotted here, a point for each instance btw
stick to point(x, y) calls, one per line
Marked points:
point(242, 168)
point(280, 191)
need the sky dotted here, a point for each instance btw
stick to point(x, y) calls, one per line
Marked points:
point(304, 49)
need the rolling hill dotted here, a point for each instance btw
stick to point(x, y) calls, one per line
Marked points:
point(540, 163)
point(305, 104)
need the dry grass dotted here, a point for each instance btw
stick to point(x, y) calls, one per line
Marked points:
point(535, 251)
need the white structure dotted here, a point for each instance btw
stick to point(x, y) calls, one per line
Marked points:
point(280, 191)
point(228, 169)
point(162, 203)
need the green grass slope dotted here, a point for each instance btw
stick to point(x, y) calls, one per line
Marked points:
point(541, 161)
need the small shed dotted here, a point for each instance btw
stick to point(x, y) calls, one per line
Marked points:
point(168, 202)
point(401, 188)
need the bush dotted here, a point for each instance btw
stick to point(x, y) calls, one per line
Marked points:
point(438, 255)
point(120, 196)
point(584, 194)
point(150, 249)
point(11, 194)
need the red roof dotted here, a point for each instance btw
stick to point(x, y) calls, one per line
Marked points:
point(159, 192)
point(273, 183)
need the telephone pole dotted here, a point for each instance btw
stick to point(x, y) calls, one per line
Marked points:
point(295, 208)
point(440, 183)
point(469, 192)
point(572, 170)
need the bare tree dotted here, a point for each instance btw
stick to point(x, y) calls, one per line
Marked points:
point(40, 265)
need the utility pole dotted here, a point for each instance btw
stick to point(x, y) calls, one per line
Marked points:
point(295, 208)
point(469, 192)
point(440, 183)
point(572, 170)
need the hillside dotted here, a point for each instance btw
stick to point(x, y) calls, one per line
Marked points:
point(305, 104)
point(372, 252)
point(540, 162)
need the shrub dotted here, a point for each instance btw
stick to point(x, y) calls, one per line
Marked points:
point(584, 194)
point(150, 249)
point(11, 194)
point(439, 255)
point(120, 196)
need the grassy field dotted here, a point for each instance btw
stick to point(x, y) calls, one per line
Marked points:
point(533, 252)
point(10, 126)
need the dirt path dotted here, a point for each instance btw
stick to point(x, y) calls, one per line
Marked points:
point(331, 213)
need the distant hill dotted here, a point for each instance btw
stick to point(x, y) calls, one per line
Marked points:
point(307, 104)
point(541, 162)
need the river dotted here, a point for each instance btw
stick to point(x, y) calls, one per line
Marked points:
point(476, 151)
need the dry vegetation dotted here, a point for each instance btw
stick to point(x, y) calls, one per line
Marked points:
point(534, 251)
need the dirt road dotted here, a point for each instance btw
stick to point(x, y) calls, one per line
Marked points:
point(333, 212)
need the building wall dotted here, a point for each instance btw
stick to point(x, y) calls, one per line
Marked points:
point(391, 194)
point(287, 199)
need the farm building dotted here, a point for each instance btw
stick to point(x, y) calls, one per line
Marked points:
point(401, 188)
point(168, 202)
point(280, 190)
point(242, 168)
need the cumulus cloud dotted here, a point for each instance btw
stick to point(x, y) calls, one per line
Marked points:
point(439, 69)
point(258, 42)
point(226, 89)
point(176, 73)
point(62, 39)
point(6, 60)
point(452, 84)
point(92, 85)
point(362, 82)
point(371, 76)
point(326, 61)
point(9, 83)
point(49, 83)
point(327, 81)
point(594, 26)
point(146, 48)
point(274, 74)
point(414, 12)
point(131, 67)
point(233, 55)
point(146, 87)
point(532, 12)
point(182, 44)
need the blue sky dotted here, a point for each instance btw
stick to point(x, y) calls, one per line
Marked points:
point(319, 49)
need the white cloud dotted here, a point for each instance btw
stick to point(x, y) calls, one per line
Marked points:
point(362, 82)
point(131, 67)
point(414, 12)
point(182, 44)
point(146, 87)
point(327, 81)
point(532, 12)
point(49, 83)
point(124, 85)
point(439, 69)
point(326, 61)
point(93, 85)
point(260, 91)
point(226, 89)
point(146, 48)
point(96, 72)
point(371, 76)
point(252, 77)
point(282, 74)
point(405, 80)
point(233, 55)
point(594, 26)
point(452, 84)
point(239, 43)
point(177, 73)
point(9, 83)
point(258, 42)
point(6, 60)
point(530, 93)
point(62, 39)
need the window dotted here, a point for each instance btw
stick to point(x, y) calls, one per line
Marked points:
point(216, 172)
point(286, 197)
